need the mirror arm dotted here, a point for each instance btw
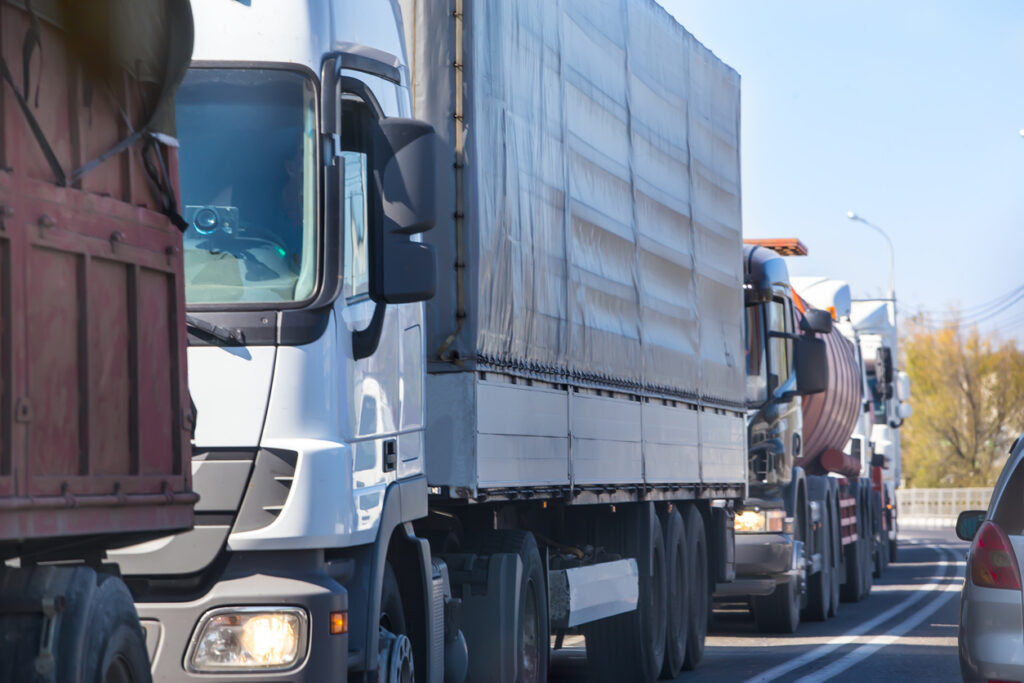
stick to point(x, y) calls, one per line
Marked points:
point(365, 341)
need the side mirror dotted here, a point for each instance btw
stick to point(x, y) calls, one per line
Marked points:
point(401, 270)
point(811, 365)
point(967, 523)
point(884, 371)
point(902, 386)
point(904, 411)
point(816, 320)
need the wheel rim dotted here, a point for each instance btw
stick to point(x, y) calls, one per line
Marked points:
point(531, 646)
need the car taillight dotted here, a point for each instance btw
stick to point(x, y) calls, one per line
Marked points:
point(993, 562)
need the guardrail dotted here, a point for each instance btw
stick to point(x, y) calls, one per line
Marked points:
point(938, 507)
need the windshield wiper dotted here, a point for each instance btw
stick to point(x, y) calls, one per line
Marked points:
point(216, 331)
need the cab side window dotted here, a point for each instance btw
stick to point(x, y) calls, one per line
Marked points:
point(357, 217)
point(780, 351)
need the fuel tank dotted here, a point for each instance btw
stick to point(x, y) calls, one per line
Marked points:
point(831, 416)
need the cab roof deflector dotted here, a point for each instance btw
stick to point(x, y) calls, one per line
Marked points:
point(370, 60)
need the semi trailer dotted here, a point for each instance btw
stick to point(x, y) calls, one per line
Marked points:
point(95, 416)
point(467, 382)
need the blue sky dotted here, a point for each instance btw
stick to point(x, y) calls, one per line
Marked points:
point(907, 112)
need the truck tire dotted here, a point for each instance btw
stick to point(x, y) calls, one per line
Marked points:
point(115, 650)
point(780, 611)
point(395, 660)
point(97, 636)
point(533, 639)
point(700, 589)
point(893, 544)
point(631, 646)
point(836, 550)
point(869, 544)
point(880, 548)
point(819, 585)
point(853, 588)
point(677, 594)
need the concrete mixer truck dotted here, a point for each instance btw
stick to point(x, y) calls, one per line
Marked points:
point(805, 535)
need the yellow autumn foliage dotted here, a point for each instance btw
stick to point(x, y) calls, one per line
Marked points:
point(968, 398)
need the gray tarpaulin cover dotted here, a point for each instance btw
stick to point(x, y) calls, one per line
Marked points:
point(601, 194)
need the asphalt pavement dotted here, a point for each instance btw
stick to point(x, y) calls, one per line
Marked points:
point(904, 631)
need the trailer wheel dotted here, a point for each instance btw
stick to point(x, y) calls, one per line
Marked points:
point(877, 536)
point(700, 590)
point(533, 639)
point(836, 548)
point(631, 646)
point(677, 593)
point(819, 586)
point(869, 545)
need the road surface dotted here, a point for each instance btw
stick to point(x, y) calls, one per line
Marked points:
point(904, 631)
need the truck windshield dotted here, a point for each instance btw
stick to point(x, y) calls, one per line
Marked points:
point(248, 185)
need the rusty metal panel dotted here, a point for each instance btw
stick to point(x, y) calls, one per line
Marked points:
point(94, 409)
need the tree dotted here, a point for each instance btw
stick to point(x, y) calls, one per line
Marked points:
point(968, 396)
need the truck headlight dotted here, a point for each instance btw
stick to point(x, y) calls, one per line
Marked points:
point(756, 521)
point(249, 638)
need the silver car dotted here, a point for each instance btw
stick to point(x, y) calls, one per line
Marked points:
point(991, 636)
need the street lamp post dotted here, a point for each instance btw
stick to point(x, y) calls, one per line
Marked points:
point(852, 215)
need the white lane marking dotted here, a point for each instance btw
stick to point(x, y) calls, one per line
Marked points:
point(859, 630)
point(878, 642)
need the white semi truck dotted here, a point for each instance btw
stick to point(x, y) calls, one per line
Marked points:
point(466, 382)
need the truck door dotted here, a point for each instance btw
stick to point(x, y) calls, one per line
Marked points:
point(386, 411)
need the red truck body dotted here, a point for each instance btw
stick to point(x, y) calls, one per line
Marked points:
point(95, 416)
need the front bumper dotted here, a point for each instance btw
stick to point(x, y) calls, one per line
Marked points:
point(169, 626)
point(763, 555)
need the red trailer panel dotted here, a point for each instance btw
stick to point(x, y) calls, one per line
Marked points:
point(95, 417)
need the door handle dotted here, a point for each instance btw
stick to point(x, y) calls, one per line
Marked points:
point(390, 455)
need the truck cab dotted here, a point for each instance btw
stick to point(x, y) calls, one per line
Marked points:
point(304, 190)
point(782, 364)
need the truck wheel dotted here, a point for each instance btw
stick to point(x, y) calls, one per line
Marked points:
point(780, 611)
point(700, 590)
point(631, 646)
point(533, 639)
point(852, 589)
point(893, 543)
point(819, 586)
point(395, 658)
point(115, 649)
point(835, 549)
point(677, 593)
point(868, 562)
point(97, 636)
